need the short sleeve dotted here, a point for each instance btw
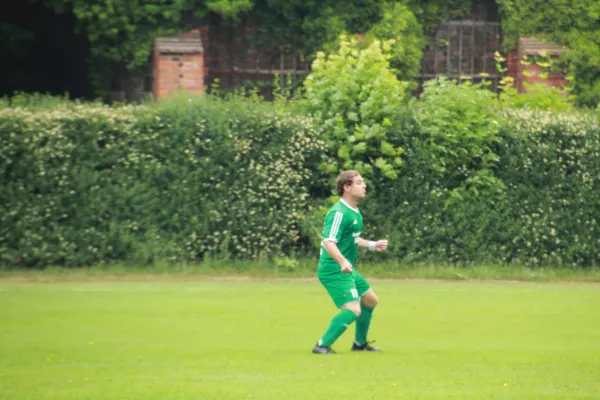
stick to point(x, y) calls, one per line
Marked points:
point(333, 226)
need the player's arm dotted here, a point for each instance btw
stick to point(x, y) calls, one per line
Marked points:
point(380, 245)
point(334, 252)
point(332, 233)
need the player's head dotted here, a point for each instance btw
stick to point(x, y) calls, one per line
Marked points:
point(350, 183)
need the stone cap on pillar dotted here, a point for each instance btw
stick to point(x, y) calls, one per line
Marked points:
point(187, 43)
point(534, 46)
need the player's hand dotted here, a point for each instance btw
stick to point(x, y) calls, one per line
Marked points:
point(381, 245)
point(346, 267)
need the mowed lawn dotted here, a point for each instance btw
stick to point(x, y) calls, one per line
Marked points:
point(166, 338)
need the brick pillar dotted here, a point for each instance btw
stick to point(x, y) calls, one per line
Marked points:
point(178, 65)
point(514, 66)
point(175, 72)
point(532, 73)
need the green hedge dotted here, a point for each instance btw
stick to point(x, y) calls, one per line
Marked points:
point(551, 165)
point(88, 184)
point(534, 201)
point(184, 179)
point(443, 202)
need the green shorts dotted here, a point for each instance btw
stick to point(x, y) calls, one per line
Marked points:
point(343, 288)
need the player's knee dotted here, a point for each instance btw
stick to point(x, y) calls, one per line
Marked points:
point(370, 300)
point(355, 308)
point(374, 300)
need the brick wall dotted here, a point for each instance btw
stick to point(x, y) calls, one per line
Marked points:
point(174, 72)
point(229, 55)
point(532, 73)
point(178, 65)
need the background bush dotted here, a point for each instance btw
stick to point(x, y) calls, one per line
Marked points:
point(353, 93)
point(84, 184)
point(534, 202)
point(550, 163)
point(443, 200)
point(189, 178)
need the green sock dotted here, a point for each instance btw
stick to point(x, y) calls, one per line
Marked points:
point(362, 324)
point(339, 323)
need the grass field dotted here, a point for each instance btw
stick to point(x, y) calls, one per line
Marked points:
point(199, 338)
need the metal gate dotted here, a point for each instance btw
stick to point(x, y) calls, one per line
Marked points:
point(463, 50)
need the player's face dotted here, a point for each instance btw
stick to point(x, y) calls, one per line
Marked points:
point(358, 188)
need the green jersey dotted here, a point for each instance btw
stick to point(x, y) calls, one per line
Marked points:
point(343, 225)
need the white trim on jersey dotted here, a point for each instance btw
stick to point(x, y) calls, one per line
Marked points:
point(335, 227)
point(355, 209)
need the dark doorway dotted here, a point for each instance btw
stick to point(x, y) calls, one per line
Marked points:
point(40, 51)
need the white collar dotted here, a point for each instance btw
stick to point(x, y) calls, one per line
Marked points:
point(355, 209)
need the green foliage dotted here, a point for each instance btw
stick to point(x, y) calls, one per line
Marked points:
point(432, 12)
point(197, 177)
point(573, 23)
point(304, 27)
point(180, 180)
point(122, 32)
point(398, 23)
point(585, 69)
point(478, 185)
point(458, 127)
point(550, 162)
point(35, 101)
point(537, 96)
point(445, 196)
point(557, 19)
point(227, 8)
point(353, 93)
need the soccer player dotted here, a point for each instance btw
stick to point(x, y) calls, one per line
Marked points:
point(349, 291)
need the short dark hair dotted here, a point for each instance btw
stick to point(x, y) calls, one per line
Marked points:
point(344, 178)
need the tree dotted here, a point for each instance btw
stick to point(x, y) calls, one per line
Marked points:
point(399, 24)
point(353, 93)
point(573, 23)
point(431, 12)
point(307, 26)
point(121, 32)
